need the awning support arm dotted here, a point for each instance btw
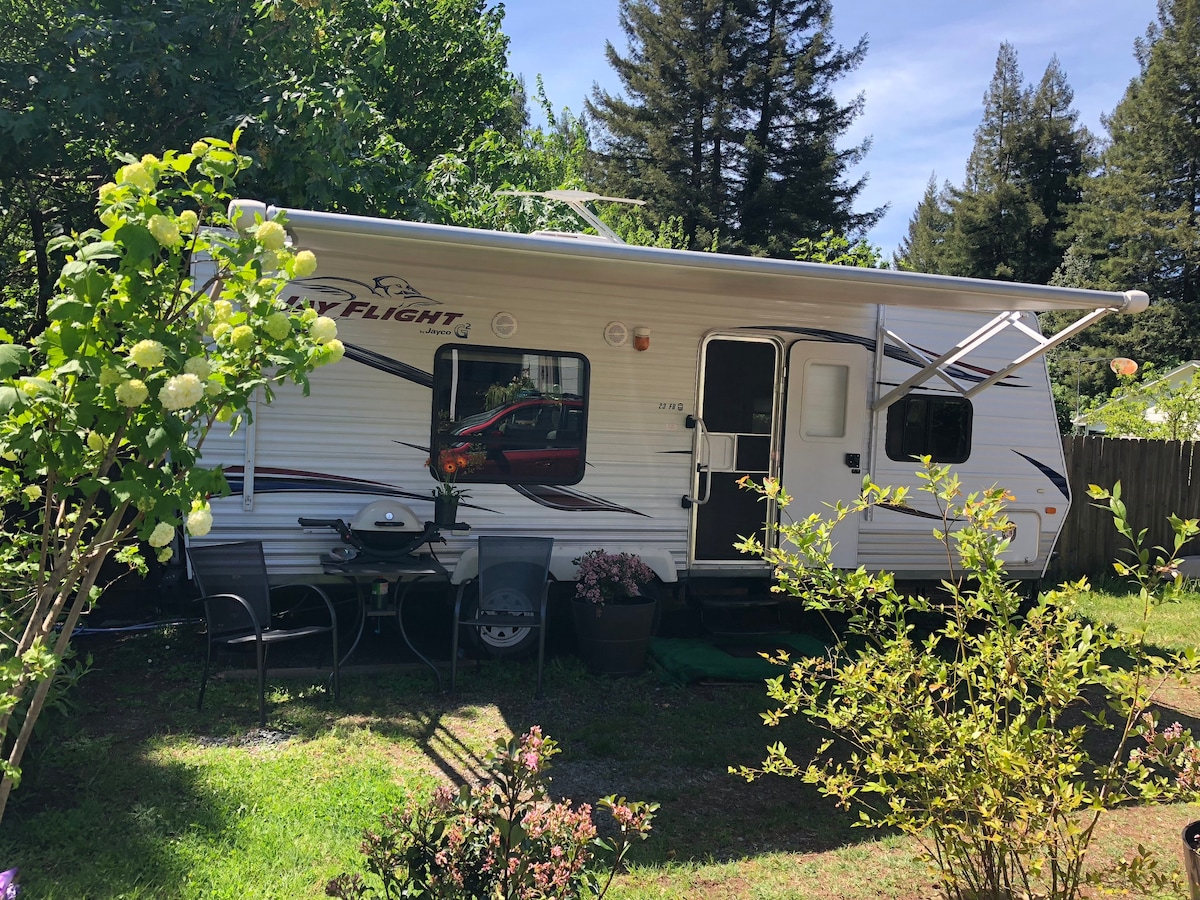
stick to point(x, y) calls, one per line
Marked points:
point(973, 342)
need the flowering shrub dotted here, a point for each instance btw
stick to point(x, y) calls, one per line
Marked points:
point(502, 840)
point(981, 736)
point(102, 415)
point(604, 577)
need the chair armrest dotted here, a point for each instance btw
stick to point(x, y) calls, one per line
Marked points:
point(319, 591)
point(239, 601)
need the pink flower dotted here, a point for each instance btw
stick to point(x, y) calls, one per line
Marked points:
point(610, 576)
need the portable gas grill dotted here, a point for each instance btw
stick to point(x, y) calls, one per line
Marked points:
point(383, 531)
point(380, 543)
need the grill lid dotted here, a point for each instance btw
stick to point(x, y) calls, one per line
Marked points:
point(386, 516)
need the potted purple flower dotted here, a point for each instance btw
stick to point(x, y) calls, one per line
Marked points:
point(613, 620)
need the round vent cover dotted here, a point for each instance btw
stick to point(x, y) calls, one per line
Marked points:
point(616, 334)
point(504, 324)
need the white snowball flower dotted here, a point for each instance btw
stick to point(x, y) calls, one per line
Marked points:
point(271, 235)
point(147, 354)
point(323, 329)
point(181, 391)
point(306, 264)
point(199, 521)
point(161, 535)
point(132, 393)
point(198, 366)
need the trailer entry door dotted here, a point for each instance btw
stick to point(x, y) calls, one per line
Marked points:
point(824, 439)
point(736, 434)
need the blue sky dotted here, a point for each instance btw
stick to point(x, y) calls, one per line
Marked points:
point(928, 65)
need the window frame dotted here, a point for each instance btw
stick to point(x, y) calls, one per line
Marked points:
point(515, 356)
point(897, 416)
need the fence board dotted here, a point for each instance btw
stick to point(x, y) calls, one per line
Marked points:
point(1157, 478)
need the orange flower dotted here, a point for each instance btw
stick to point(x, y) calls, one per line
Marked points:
point(448, 467)
point(461, 461)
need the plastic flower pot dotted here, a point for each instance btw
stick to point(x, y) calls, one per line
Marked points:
point(445, 510)
point(1191, 858)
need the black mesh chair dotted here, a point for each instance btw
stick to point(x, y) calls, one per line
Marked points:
point(237, 609)
point(513, 582)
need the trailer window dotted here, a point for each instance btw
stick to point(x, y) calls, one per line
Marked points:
point(924, 425)
point(505, 416)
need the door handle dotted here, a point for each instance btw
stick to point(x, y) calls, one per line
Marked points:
point(701, 440)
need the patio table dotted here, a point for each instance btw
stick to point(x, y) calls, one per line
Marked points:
point(401, 575)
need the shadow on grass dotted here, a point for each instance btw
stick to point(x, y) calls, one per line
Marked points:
point(104, 812)
point(96, 812)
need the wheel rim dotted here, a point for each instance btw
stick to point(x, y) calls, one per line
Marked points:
point(511, 603)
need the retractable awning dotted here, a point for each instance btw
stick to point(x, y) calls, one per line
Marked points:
point(795, 286)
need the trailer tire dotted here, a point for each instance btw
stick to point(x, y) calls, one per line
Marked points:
point(502, 640)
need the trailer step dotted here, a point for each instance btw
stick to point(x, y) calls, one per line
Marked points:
point(741, 616)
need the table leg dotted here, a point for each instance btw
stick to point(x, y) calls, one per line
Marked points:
point(362, 619)
point(402, 589)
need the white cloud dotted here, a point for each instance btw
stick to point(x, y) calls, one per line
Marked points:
point(927, 68)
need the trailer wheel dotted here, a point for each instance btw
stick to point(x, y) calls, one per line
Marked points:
point(501, 640)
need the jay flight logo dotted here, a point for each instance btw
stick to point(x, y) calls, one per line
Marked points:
point(388, 298)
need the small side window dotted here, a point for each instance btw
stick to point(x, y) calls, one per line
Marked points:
point(505, 416)
point(926, 425)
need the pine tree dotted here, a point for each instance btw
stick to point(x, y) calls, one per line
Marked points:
point(795, 176)
point(1058, 153)
point(992, 214)
point(1139, 219)
point(1008, 219)
point(666, 139)
point(924, 247)
point(728, 121)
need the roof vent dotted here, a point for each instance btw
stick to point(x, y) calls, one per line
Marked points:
point(504, 325)
point(616, 334)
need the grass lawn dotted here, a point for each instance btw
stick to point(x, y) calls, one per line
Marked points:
point(135, 794)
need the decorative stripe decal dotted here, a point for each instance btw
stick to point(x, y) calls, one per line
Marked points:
point(1056, 478)
point(899, 354)
point(544, 495)
point(570, 500)
point(288, 481)
point(389, 365)
point(910, 511)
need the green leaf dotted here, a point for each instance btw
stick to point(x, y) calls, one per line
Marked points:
point(69, 309)
point(10, 399)
point(13, 358)
point(100, 250)
point(157, 440)
point(140, 244)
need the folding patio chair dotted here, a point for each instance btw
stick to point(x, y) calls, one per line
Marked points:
point(513, 582)
point(237, 609)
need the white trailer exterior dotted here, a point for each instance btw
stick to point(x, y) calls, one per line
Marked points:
point(814, 358)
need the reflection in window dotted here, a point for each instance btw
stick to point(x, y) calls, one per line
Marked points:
point(925, 425)
point(510, 416)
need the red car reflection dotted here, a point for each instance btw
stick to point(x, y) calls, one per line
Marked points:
point(536, 440)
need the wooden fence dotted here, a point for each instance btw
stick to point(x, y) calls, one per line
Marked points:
point(1157, 478)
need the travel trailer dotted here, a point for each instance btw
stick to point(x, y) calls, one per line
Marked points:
point(612, 396)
